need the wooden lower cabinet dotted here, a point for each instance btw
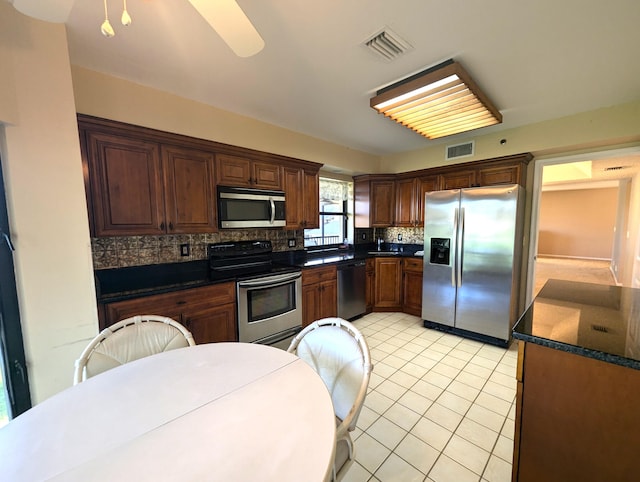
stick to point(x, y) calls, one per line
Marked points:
point(319, 294)
point(576, 418)
point(388, 287)
point(370, 288)
point(208, 312)
point(412, 286)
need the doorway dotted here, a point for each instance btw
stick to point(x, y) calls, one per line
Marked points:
point(616, 171)
point(14, 384)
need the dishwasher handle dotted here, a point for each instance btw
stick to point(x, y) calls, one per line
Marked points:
point(351, 265)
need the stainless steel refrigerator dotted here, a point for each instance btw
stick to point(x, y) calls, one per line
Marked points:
point(472, 257)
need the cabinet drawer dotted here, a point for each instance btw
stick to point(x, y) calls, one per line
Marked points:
point(172, 304)
point(413, 264)
point(316, 275)
point(217, 294)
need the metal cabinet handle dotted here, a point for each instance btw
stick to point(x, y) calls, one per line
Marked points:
point(8, 240)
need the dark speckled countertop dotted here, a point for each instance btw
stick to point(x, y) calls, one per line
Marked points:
point(592, 320)
point(124, 283)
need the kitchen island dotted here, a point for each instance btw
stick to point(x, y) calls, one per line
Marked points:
point(578, 387)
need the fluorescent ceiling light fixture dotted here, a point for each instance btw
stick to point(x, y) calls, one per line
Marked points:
point(440, 101)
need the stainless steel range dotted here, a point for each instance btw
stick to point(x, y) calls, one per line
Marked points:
point(269, 295)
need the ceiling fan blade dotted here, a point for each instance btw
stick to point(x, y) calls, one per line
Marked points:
point(56, 11)
point(227, 18)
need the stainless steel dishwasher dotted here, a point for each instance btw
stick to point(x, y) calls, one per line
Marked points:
point(351, 289)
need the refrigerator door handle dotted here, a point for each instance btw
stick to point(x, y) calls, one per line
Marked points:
point(459, 248)
point(454, 268)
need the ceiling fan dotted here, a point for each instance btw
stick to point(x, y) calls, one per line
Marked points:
point(225, 17)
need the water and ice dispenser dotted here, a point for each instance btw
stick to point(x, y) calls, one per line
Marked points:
point(440, 251)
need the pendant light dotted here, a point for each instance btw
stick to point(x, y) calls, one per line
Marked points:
point(106, 28)
point(126, 18)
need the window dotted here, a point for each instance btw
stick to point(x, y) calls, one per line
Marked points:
point(336, 220)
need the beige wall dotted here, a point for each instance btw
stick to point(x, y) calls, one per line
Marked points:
point(112, 98)
point(616, 126)
point(46, 202)
point(577, 223)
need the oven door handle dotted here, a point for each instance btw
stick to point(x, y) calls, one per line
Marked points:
point(275, 280)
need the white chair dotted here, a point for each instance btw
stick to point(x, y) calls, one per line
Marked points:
point(338, 352)
point(128, 340)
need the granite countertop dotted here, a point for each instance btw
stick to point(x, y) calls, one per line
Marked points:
point(124, 283)
point(591, 320)
point(310, 258)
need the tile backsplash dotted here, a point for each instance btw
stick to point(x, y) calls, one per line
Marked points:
point(123, 251)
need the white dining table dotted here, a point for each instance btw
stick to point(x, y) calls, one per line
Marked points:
point(213, 412)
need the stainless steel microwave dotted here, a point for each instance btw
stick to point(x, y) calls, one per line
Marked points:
point(250, 208)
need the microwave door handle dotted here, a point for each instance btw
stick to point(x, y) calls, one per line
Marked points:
point(273, 210)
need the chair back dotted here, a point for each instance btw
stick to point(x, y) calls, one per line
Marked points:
point(128, 340)
point(338, 352)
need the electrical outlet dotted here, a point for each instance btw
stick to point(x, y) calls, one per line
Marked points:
point(184, 249)
point(364, 235)
point(399, 236)
point(292, 242)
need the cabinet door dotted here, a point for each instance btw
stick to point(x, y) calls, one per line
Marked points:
point(126, 185)
point(161, 305)
point(425, 185)
point(499, 175)
point(295, 198)
point(382, 203)
point(406, 205)
point(211, 325)
point(370, 289)
point(311, 199)
point(233, 171)
point(388, 284)
point(412, 286)
point(189, 201)
point(310, 303)
point(266, 176)
point(459, 179)
point(328, 299)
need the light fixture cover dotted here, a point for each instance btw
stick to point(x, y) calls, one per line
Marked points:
point(440, 101)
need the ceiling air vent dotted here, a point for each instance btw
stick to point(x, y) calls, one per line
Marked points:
point(457, 151)
point(387, 45)
point(615, 168)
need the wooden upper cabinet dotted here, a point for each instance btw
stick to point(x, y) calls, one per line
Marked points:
point(294, 197)
point(382, 209)
point(127, 195)
point(301, 187)
point(410, 199)
point(405, 202)
point(459, 179)
point(189, 200)
point(242, 172)
point(424, 185)
point(311, 199)
point(490, 176)
point(375, 201)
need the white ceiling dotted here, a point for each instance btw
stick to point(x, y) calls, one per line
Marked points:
point(535, 60)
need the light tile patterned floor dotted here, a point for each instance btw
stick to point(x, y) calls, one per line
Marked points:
point(440, 408)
